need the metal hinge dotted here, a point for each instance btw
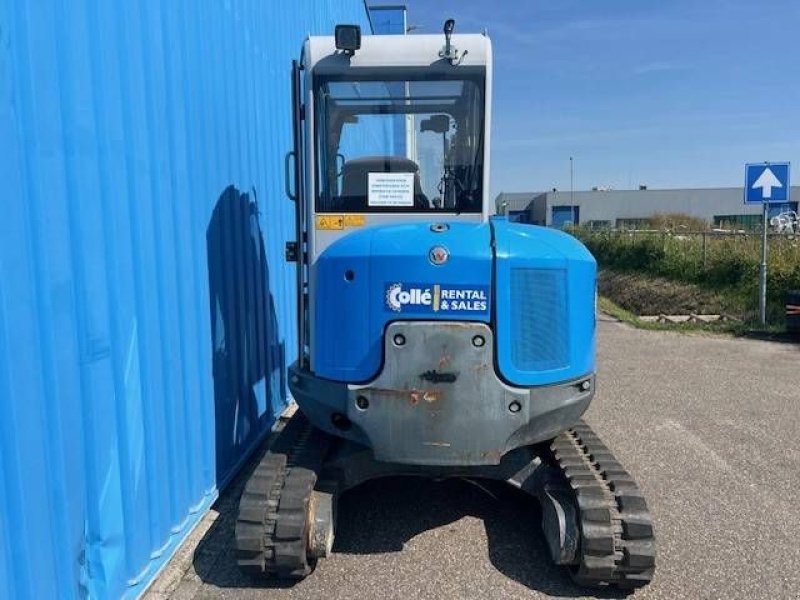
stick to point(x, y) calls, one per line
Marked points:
point(291, 252)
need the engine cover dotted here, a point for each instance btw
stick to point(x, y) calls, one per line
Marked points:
point(545, 305)
point(535, 287)
point(374, 276)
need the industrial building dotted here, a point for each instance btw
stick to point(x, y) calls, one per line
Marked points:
point(632, 209)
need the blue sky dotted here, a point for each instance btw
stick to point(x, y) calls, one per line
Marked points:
point(668, 93)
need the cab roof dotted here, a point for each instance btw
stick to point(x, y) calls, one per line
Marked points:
point(321, 55)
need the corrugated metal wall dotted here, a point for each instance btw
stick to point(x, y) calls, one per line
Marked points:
point(145, 308)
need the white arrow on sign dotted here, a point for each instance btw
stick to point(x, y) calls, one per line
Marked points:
point(766, 181)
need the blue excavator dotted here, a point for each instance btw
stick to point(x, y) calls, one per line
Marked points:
point(434, 339)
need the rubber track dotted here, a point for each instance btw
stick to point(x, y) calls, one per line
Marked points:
point(617, 541)
point(272, 526)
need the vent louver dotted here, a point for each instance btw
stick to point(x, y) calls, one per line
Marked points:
point(539, 319)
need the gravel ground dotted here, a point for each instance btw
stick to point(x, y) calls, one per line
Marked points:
point(708, 427)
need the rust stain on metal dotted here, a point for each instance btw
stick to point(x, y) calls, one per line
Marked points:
point(444, 360)
point(388, 391)
point(492, 455)
point(428, 396)
point(413, 395)
point(312, 512)
point(431, 396)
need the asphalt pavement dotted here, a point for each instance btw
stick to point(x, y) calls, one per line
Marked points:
point(708, 426)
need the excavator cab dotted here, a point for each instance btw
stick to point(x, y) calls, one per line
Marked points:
point(433, 338)
point(427, 136)
point(389, 135)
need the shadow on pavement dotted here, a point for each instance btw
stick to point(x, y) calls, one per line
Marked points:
point(214, 559)
point(783, 337)
point(382, 516)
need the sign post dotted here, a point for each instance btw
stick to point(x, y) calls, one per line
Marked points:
point(762, 271)
point(765, 183)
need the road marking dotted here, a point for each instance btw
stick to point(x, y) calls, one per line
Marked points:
point(693, 442)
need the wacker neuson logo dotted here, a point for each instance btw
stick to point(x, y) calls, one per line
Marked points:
point(427, 298)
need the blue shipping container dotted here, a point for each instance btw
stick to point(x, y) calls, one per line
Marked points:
point(146, 312)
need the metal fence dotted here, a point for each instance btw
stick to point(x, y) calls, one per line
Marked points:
point(703, 247)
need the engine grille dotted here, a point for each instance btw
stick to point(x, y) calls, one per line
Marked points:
point(539, 319)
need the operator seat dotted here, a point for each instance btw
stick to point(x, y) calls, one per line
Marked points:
point(355, 177)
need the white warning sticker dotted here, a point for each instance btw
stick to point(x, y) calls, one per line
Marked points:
point(391, 189)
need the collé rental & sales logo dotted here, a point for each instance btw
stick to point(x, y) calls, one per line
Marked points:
point(435, 298)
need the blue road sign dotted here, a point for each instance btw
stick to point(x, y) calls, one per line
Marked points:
point(766, 182)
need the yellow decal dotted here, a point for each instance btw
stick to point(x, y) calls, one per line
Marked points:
point(330, 222)
point(354, 220)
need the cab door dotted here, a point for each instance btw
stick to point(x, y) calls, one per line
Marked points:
point(297, 249)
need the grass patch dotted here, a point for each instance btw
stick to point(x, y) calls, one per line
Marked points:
point(608, 306)
point(612, 309)
point(745, 329)
point(647, 295)
point(725, 266)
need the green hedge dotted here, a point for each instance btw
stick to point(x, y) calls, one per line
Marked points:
point(720, 262)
